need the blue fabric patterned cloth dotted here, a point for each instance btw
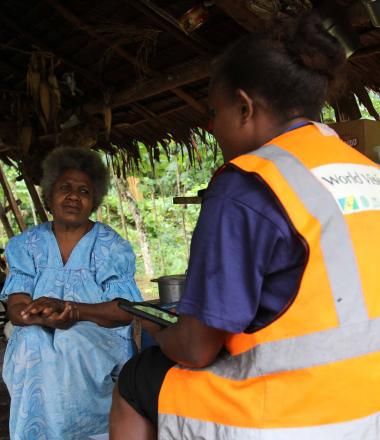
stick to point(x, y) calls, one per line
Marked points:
point(61, 381)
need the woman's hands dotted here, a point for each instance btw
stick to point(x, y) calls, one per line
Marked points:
point(51, 312)
point(44, 311)
point(56, 313)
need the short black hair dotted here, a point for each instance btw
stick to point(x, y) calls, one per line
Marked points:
point(290, 68)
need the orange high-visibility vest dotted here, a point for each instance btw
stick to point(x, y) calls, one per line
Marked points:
point(313, 373)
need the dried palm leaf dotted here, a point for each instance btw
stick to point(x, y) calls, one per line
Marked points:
point(54, 109)
point(45, 100)
point(54, 87)
point(43, 122)
point(33, 80)
point(107, 120)
point(25, 138)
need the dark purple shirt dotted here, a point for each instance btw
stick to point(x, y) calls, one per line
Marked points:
point(246, 261)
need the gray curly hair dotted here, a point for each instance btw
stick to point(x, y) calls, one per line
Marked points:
point(86, 161)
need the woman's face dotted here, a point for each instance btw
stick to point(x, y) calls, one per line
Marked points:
point(72, 198)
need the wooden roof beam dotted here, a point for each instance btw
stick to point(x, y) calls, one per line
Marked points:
point(126, 125)
point(238, 11)
point(185, 74)
point(150, 10)
point(190, 100)
point(78, 23)
point(365, 52)
point(148, 116)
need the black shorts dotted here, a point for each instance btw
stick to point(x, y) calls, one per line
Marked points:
point(140, 381)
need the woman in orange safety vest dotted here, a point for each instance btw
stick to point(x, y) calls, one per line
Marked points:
point(310, 368)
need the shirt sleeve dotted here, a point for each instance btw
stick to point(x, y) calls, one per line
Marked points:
point(236, 252)
point(116, 274)
point(22, 271)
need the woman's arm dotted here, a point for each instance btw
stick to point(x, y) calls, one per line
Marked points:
point(106, 314)
point(189, 342)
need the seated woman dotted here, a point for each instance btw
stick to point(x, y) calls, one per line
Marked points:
point(70, 338)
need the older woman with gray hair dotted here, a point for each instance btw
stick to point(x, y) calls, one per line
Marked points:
point(70, 338)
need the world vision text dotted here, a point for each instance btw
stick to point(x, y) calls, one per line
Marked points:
point(352, 178)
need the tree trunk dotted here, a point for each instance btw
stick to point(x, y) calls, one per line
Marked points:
point(99, 214)
point(160, 253)
point(140, 228)
point(120, 203)
point(108, 214)
point(183, 216)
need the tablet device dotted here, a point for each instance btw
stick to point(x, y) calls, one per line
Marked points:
point(151, 312)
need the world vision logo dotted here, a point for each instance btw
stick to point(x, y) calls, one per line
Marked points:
point(348, 204)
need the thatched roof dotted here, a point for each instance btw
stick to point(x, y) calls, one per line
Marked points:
point(123, 72)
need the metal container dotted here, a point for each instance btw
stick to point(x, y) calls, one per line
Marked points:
point(170, 287)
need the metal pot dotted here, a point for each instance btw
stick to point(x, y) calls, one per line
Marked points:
point(170, 287)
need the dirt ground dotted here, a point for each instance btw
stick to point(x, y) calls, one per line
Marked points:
point(4, 398)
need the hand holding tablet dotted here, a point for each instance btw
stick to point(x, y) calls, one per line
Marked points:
point(151, 312)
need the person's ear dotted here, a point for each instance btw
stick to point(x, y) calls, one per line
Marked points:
point(246, 106)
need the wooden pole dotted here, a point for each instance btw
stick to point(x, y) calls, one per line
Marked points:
point(4, 220)
point(35, 220)
point(11, 200)
point(34, 195)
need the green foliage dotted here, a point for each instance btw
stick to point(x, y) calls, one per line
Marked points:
point(169, 227)
point(376, 103)
point(328, 114)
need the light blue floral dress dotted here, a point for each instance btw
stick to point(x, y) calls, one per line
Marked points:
point(61, 381)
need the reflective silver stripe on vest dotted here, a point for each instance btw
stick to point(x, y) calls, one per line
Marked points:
point(335, 241)
point(306, 351)
point(179, 428)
